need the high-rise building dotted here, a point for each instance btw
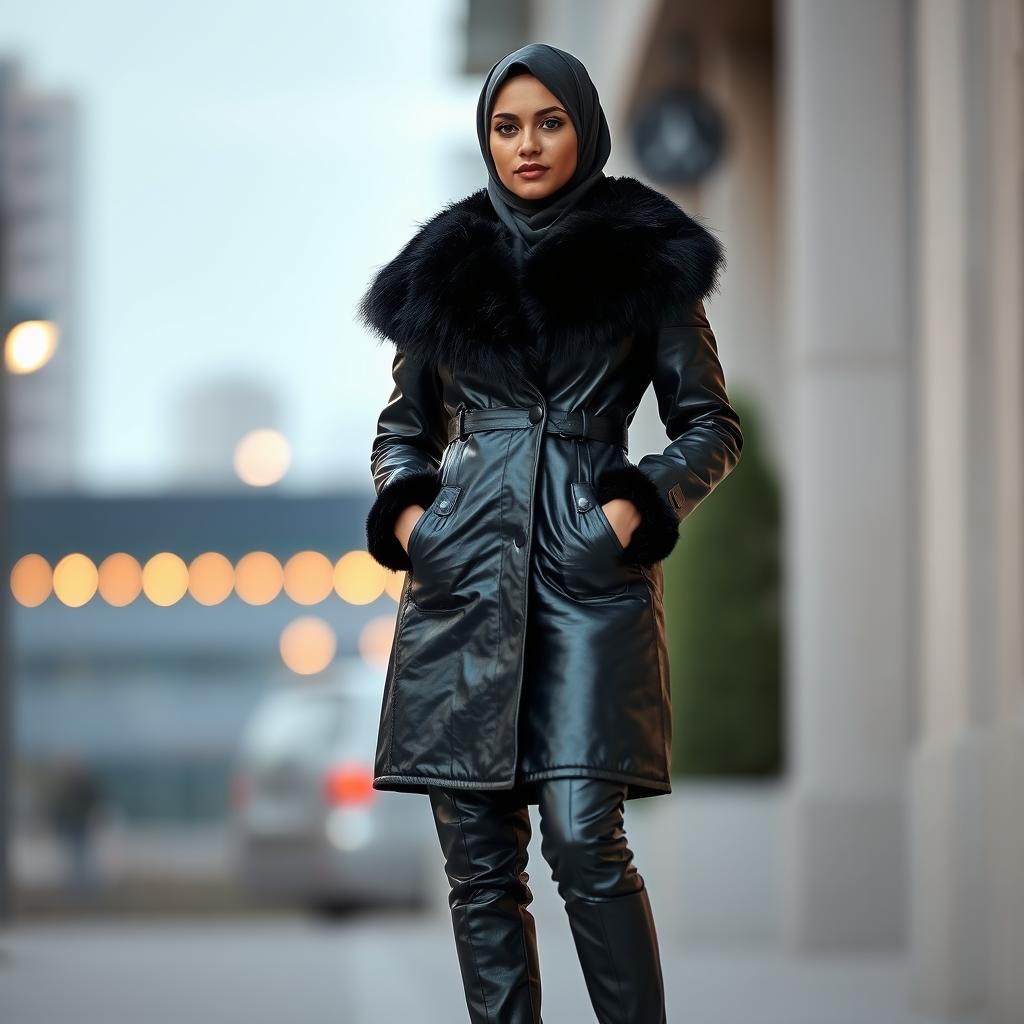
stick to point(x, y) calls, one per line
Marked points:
point(39, 263)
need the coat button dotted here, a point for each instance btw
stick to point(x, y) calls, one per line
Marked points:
point(536, 414)
point(520, 539)
point(443, 503)
point(583, 504)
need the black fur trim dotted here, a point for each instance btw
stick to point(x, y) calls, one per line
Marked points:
point(419, 488)
point(658, 531)
point(616, 263)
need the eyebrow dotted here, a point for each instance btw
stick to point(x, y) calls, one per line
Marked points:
point(515, 117)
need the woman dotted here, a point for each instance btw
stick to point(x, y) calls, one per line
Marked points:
point(529, 661)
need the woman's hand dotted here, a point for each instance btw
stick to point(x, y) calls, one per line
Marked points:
point(624, 517)
point(405, 524)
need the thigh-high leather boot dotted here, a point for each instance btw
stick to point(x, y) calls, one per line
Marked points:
point(605, 898)
point(484, 836)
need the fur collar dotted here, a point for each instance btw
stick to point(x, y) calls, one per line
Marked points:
point(614, 264)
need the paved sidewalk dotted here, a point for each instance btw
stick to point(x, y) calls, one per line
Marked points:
point(384, 968)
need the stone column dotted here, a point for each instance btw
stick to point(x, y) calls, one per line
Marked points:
point(968, 838)
point(1006, 33)
point(851, 455)
point(968, 820)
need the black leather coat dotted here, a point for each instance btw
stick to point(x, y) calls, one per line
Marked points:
point(529, 643)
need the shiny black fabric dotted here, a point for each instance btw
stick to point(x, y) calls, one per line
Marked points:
point(529, 643)
point(484, 836)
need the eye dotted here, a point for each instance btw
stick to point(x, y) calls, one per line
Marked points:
point(506, 124)
point(556, 120)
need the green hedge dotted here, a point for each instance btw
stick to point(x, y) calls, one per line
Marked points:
point(723, 616)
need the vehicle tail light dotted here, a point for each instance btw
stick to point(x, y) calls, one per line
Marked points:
point(350, 783)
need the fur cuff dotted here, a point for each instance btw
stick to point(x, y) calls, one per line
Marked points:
point(658, 531)
point(419, 488)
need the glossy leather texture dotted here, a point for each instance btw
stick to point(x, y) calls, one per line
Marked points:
point(530, 642)
point(484, 837)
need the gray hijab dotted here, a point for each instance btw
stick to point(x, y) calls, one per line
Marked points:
point(568, 80)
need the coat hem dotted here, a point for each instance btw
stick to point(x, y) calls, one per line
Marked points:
point(639, 786)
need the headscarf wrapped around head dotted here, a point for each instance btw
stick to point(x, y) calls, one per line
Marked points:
point(567, 79)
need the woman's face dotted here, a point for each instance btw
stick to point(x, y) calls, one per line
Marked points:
point(529, 126)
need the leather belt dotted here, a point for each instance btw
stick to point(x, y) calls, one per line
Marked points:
point(576, 423)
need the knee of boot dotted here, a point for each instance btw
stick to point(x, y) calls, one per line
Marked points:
point(473, 893)
point(585, 869)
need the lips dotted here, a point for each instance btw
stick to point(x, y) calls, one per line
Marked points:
point(526, 168)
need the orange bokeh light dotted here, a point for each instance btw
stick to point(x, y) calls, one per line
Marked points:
point(375, 639)
point(75, 579)
point(307, 645)
point(358, 578)
point(31, 580)
point(258, 577)
point(308, 577)
point(165, 578)
point(120, 579)
point(211, 578)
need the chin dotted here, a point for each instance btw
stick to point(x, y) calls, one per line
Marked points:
point(535, 189)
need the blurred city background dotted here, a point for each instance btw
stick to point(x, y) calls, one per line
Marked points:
point(194, 639)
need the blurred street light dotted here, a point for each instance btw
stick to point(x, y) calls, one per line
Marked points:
point(30, 344)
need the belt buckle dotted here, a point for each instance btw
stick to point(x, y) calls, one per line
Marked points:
point(461, 419)
point(582, 432)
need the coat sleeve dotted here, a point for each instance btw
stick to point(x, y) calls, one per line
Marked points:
point(405, 456)
point(704, 430)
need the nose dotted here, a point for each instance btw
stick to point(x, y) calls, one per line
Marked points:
point(528, 146)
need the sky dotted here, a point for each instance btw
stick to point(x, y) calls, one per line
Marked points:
point(244, 169)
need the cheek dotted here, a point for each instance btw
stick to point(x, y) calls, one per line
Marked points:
point(566, 156)
point(503, 155)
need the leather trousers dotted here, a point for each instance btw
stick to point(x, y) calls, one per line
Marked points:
point(484, 836)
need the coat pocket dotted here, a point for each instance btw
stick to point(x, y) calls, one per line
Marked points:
point(603, 517)
point(591, 569)
point(430, 590)
point(585, 503)
point(443, 505)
